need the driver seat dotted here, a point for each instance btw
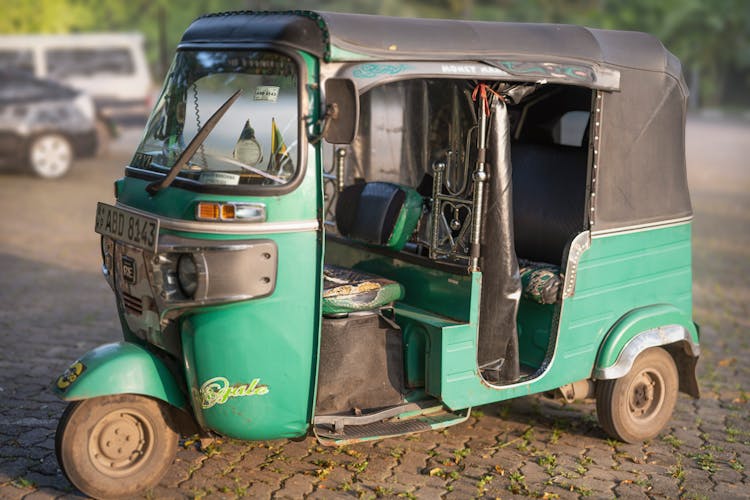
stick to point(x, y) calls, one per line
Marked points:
point(348, 290)
point(378, 214)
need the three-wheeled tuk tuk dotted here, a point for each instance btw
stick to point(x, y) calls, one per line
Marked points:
point(363, 227)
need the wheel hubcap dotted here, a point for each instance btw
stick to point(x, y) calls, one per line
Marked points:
point(51, 156)
point(120, 442)
point(646, 395)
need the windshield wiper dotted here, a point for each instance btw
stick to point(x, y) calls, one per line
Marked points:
point(193, 146)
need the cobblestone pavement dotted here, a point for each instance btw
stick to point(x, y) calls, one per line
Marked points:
point(54, 306)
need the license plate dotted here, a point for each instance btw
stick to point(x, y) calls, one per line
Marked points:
point(131, 228)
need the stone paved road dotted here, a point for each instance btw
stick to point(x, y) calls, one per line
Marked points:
point(54, 306)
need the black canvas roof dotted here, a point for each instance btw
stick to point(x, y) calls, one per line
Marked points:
point(640, 152)
point(379, 37)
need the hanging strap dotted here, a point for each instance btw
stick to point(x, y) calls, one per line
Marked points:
point(481, 90)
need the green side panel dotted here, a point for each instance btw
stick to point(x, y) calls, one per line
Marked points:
point(640, 320)
point(534, 327)
point(180, 204)
point(617, 274)
point(251, 365)
point(121, 368)
point(415, 346)
point(422, 338)
point(429, 289)
point(407, 219)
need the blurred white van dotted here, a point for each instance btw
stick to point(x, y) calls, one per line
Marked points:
point(110, 67)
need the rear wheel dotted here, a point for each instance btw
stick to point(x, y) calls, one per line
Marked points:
point(50, 155)
point(114, 446)
point(637, 406)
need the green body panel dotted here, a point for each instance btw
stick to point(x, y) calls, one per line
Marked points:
point(618, 274)
point(439, 292)
point(407, 219)
point(415, 347)
point(273, 340)
point(535, 322)
point(251, 366)
point(124, 368)
point(637, 321)
point(426, 332)
point(180, 204)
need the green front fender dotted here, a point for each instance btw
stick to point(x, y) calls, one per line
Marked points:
point(120, 368)
point(640, 329)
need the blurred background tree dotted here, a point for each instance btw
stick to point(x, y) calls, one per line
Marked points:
point(711, 37)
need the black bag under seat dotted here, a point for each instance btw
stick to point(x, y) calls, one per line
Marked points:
point(361, 364)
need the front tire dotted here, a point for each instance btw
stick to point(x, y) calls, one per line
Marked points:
point(50, 155)
point(637, 406)
point(115, 446)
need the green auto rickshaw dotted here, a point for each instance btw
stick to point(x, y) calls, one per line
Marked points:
point(361, 227)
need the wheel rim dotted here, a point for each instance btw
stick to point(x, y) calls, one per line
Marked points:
point(51, 155)
point(121, 442)
point(646, 395)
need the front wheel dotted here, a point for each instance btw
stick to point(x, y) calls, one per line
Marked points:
point(50, 155)
point(637, 406)
point(114, 446)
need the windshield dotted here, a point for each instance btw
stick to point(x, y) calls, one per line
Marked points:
point(254, 143)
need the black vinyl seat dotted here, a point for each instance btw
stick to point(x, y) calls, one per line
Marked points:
point(375, 213)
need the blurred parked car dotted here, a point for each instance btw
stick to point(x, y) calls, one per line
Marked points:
point(43, 124)
point(110, 67)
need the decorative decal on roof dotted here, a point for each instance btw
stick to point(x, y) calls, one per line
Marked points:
point(543, 70)
point(369, 75)
point(373, 70)
point(471, 69)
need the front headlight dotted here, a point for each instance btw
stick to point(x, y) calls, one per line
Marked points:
point(187, 275)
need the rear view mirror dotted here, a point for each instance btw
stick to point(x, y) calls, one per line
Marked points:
point(342, 104)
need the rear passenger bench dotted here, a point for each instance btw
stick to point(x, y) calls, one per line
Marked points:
point(549, 189)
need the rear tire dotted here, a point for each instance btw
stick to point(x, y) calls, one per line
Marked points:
point(637, 406)
point(115, 446)
point(50, 155)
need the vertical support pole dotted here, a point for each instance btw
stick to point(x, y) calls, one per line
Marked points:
point(480, 177)
point(437, 184)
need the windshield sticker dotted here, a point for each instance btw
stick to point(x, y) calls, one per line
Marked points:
point(266, 93)
point(217, 391)
point(372, 70)
point(70, 375)
point(220, 178)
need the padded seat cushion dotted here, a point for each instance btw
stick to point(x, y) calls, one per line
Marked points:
point(348, 290)
point(541, 282)
point(378, 213)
